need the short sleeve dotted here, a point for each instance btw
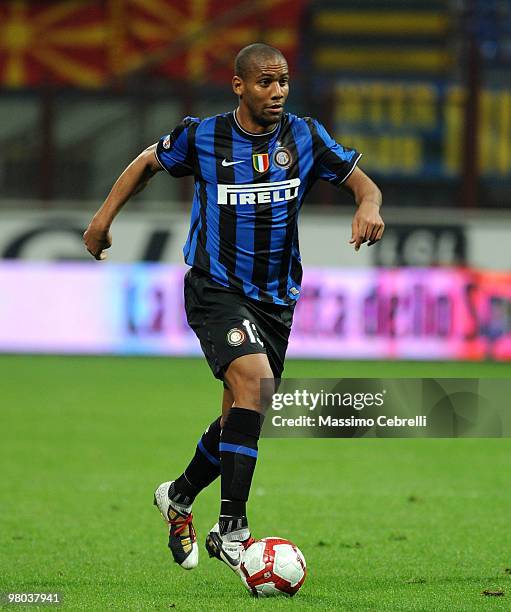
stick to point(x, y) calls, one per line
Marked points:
point(332, 162)
point(175, 151)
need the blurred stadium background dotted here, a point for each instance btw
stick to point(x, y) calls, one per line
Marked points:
point(423, 89)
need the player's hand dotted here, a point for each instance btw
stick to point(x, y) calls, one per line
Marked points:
point(97, 239)
point(367, 225)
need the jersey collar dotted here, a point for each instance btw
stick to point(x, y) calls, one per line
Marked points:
point(240, 130)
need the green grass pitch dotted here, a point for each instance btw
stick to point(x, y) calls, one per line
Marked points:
point(384, 524)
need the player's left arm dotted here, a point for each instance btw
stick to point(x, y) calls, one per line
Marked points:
point(367, 225)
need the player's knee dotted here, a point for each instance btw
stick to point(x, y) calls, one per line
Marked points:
point(266, 390)
point(258, 389)
point(252, 387)
point(254, 391)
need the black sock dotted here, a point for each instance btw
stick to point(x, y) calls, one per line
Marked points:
point(238, 456)
point(202, 469)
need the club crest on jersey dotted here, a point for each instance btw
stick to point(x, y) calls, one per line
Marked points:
point(282, 157)
point(261, 161)
point(235, 336)
point(166, 142)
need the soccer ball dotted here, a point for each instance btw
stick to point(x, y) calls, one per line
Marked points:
point(273, 566)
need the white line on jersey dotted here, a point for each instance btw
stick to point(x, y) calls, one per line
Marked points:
point(226, 163)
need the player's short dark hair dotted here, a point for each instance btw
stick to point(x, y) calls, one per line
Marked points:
point(260, 51)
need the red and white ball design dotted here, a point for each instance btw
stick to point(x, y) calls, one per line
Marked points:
point(273, 566)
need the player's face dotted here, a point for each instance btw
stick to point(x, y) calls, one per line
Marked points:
point(265, 89)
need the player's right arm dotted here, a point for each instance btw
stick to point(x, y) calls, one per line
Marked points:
point(135, 177)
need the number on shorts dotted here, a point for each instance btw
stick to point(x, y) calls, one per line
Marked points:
point(252, 332)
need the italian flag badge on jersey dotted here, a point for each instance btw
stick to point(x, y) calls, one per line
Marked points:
point(261, 162)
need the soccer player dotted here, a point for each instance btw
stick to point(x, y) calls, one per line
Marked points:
point(252, 169)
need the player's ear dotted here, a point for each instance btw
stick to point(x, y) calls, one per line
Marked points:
point(237, 85)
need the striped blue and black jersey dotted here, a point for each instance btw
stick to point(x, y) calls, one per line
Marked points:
point(248, 192)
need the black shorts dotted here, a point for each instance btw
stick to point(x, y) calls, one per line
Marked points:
point(230, 324)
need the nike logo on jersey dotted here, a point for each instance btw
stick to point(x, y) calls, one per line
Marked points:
point(226, 163)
